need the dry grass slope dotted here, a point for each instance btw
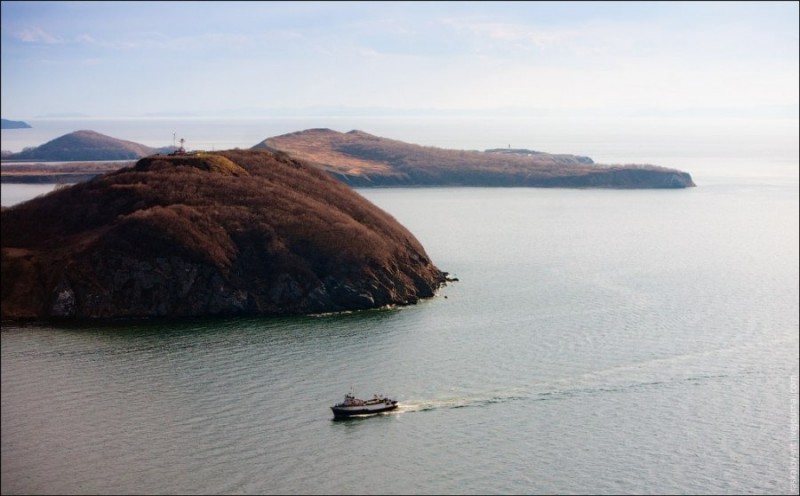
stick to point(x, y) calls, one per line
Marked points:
point(85, 145)
point(255, 222)
point(361, 159)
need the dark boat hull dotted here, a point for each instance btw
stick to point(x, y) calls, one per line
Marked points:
point(346, 412)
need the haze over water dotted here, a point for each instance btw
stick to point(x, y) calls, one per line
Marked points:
point(603, 341)
point(598, 341)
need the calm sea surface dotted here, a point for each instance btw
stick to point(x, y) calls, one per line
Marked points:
point(598, 341)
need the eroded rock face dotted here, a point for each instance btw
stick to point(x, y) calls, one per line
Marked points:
point(253, 234)
point(178, 287)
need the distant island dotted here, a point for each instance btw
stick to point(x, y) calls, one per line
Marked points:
point(7, 124)
point(360, 159)
point(363, 160)
point(239, 232)
point(86, 146)
point(59, 172)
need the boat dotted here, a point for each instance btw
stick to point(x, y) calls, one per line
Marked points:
point(353, 406)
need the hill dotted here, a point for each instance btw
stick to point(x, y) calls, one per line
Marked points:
point(227, 233)
point(7, 124)
point(85, 145)
point(361, 159)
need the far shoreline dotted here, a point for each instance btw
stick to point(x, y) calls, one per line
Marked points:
point(39, 171)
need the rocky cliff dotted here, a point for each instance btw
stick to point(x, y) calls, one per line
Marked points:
point(226, 233)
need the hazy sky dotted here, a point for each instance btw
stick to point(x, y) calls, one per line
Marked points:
point(109, 59)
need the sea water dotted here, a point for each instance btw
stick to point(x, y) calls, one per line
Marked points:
point(597, 341)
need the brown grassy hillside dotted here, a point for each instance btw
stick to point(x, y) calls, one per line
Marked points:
point(85, 145)
point(225, 233)
point(362, 159)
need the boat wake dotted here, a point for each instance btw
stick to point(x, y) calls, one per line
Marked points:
point(480, 400)
point(593, 384)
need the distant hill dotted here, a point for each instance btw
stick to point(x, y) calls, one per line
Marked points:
point(361, 159)
point(7, 124)
point(87, 146)
point(239, 232)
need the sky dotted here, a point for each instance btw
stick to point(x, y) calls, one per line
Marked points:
point(129, 59)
